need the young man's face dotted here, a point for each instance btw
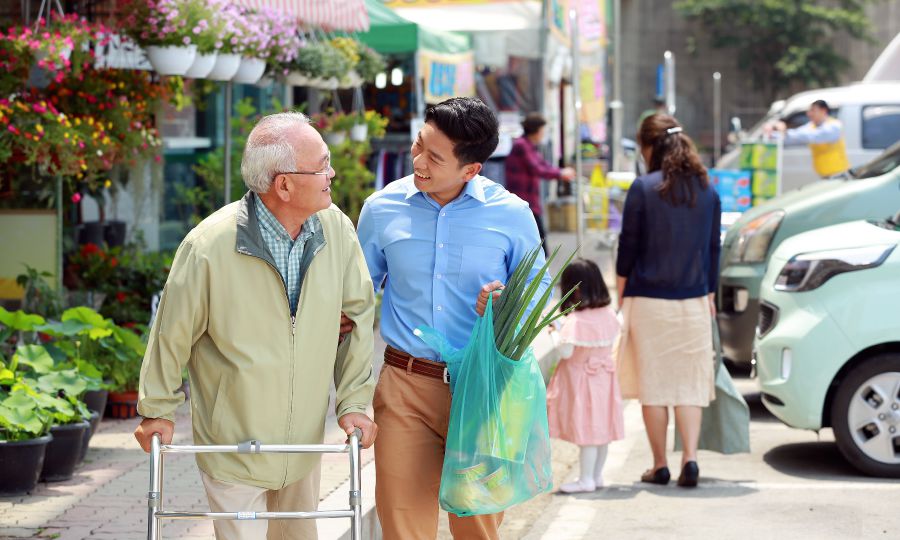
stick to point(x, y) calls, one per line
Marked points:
point(437, 171)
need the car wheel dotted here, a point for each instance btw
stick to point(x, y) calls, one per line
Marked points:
point(865, 416)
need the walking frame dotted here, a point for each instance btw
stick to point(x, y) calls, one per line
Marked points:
point(155, 512)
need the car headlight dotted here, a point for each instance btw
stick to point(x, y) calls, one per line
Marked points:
point(809, 271)
point(754, 238)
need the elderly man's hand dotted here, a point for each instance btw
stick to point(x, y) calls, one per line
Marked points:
point(347, 326)
point(351, 421)
point(494, 288)
point(149, 426)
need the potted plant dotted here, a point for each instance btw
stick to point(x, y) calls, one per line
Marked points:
point(370, 63)
point(24, 436)
point(257, 36)
point(229, 41)
point(167, 30)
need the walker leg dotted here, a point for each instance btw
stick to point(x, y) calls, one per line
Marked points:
point(355, 481)
point(154, 496)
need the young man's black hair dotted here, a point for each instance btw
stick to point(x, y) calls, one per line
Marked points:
point(470, 124)
point(533, 123)
point(820, 103)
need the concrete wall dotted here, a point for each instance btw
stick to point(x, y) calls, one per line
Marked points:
point(650, 27)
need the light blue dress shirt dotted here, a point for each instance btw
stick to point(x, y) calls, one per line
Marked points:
point(809, 133)
point(433, 260)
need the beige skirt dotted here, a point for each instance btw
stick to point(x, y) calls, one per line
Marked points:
point(665, 352)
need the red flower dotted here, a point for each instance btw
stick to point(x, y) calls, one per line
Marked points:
point(121, 297)
point(90, 249)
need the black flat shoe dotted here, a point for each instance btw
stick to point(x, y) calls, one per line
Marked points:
point(690, 474)
point(660, 476)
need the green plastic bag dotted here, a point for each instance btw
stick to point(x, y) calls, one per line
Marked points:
point(498, 443)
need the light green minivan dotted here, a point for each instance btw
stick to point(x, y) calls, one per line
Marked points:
point(873, 192)
point(827, 346)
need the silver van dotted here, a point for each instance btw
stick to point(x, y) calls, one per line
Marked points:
point(869, 112)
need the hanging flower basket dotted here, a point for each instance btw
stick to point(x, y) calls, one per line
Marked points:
point(203, 64)
point(250, 70)
point(335, 138)
point(295, 78)
point(171, 60)
point(351, 80)
point(225, 68)
point(359, 132)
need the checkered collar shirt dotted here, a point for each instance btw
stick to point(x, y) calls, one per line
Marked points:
point(286, 252)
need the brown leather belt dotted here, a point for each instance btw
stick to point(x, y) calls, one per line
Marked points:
point(429, 368)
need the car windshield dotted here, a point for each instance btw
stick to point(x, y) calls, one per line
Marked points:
point(885, 163)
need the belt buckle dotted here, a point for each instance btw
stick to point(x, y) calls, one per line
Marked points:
point(446, 376)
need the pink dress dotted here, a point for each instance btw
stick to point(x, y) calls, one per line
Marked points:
point(584, 405)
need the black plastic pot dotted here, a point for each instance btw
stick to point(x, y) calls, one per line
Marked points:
point(96, 400)
point(85, 441)
point(114, 233)
point(63, 451)
point(21, 463)
point(91, 232)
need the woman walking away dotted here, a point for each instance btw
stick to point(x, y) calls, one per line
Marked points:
point(667, 268)
point(583, 402)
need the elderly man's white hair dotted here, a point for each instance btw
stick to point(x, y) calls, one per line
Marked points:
point(268, 151)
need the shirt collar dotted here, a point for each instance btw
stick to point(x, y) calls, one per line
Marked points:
point(268, 221)
point(473, 189)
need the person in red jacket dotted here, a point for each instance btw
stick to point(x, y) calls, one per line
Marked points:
point(525, 167)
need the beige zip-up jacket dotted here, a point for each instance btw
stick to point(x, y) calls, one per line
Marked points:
point(256, 373)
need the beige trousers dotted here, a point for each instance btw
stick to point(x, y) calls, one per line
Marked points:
point(412, 412)
point(301, 496)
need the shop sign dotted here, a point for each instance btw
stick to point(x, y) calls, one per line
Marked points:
point(447, 75)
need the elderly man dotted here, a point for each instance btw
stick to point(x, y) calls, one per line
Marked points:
point(253, 308)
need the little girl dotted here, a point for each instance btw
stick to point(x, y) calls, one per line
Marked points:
point(584, 406)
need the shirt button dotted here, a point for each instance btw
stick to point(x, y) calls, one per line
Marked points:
point(443, 214)
point(441, 245)
point(438, 276)
point(439, 308)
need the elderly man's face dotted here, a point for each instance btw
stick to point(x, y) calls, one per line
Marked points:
point(310, 182)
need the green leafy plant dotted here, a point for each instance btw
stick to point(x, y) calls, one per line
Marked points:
point(370, 63)
point(40, 297)
point(321, 60)
point(512, 334)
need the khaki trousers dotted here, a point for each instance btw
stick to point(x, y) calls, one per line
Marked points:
point(412, 412)
point(301, 496)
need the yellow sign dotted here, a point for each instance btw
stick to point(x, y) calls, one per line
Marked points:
point(447, 75)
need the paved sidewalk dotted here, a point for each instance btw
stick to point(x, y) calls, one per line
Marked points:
point(106, 499)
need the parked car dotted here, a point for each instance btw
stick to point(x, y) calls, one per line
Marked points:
point(828, 339)
point(869, 112)
point(873, 192)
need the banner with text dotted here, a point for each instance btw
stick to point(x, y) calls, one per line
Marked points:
point(447, 75)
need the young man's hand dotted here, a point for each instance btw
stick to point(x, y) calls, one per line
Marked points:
point(150, 426)
point(494, 288)
point(567, 174)
point(351, 421)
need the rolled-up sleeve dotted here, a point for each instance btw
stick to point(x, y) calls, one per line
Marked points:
point(354, 380)
point(629, 238)
point(181, 319)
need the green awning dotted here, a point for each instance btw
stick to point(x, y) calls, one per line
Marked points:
point(390, 33)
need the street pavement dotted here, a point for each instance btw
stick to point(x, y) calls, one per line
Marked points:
point(794, 484)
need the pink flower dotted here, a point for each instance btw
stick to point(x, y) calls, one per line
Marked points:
point(197, 30)
point(186, 40)
point(76, 198)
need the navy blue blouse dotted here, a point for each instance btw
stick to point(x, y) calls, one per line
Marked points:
point(668, 251)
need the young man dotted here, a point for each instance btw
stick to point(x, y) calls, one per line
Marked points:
point(440, 241)
point(252, 308)
point(825, 137)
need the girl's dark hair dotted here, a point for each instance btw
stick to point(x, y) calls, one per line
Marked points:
point(673, 151)
point(591, 291)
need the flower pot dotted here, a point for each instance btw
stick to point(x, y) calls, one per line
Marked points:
point(21, 463)
point(203, 64)
point(359, 132)
point(225, 68)
point(122, 405)
point(265, 82)
point(94, 422)
point(250, 70)
point(334, 138)
point(91, 232)
point(114, 233)
point(171, 60)
point(96, 400)
point(63, 451)
point(295, 78)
